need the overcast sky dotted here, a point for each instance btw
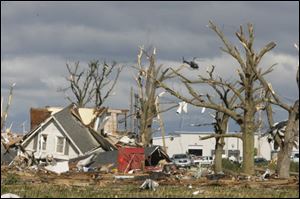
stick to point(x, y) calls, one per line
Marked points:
point(39, 38)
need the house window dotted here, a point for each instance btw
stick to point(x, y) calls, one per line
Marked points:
point(60, 141)
point(235, 153)
point(44, 142)
point(213, 153)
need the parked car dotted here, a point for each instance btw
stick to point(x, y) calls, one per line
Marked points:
point(182, 160)
point(260, 160)
point(202, 159)
point(206, 160)
point(196, 159)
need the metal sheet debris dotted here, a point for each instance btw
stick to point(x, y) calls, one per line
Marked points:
point(127, 140)
point(130, 158)
point(85, 162)
point(124, 177)
point(60, 167)
point(266, 175)
point(149, 184)
point(182, 107)
point(10, 195)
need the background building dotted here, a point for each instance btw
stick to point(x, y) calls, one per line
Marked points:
point(183, 142)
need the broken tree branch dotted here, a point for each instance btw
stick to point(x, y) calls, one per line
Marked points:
point(221, 136)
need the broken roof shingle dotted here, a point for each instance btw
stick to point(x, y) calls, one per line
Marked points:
point(76, 130)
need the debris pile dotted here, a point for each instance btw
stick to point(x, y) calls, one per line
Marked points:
point(149, 184)
point(266, 175)
point(89, 141)
point(90, 150)
point(10, 195)
point(9, 139)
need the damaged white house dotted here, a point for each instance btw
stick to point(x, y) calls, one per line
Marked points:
point(67, 133)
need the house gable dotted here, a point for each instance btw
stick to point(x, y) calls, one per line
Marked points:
point(76, 130)
point(52, 131)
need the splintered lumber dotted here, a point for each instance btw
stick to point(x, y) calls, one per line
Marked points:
point(291, 173)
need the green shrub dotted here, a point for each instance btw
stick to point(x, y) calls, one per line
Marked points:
point(294, 167)
point(233, 166)
point(12, 179)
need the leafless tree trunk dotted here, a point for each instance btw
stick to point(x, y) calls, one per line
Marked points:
point(221, 119)
point(147, 82)
point(288, 144)
point(4, 113)
point(246, 90)
point(91, 85)
point(220, 128)
point(291, 130)
point(291, 134)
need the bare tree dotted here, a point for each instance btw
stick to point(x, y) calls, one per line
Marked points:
point(247, 90)
point(221, 119)
point(4, 113)
point(91, 85)
point(220, 124)
point(286, 143)
point(147, 81)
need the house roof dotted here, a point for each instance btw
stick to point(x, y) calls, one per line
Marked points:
point(104, 158)
point(86, 115)
point(79, 133)
point(105, 142)
point(7, 155)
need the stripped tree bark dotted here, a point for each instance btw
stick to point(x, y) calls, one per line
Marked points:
point(292, 128)
point(221, 119)
point(4, 113)
point(247, 90)
point(220, 127)
point(92, 85)
point(147, 81)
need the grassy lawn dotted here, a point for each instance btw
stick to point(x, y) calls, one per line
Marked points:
point(132, 191)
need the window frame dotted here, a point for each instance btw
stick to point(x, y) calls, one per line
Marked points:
point(63, 144)
point(44, 142)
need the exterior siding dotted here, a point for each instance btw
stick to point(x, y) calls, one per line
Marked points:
point(52, 131)
point(180, 144)
point(30, 145)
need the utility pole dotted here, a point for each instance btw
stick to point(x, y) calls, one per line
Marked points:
point(131, 111)
point(161, 123)
point(227, 130)
point(136, 115)
point(259, 127)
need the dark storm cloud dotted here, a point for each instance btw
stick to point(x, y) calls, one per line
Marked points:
point(106, 28)
point(38, 38)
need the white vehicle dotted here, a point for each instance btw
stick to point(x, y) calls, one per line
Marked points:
point(208, 160)
point(196, 159)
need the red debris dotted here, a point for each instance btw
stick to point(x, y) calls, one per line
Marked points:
point(130, 158)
